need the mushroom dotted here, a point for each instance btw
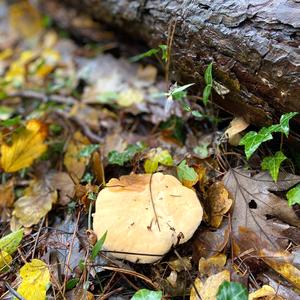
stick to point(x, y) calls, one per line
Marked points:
point(144, 215)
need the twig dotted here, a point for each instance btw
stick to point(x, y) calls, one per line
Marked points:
point(111, 293)
point(12, 291)
point(152, 202)
point(37, 237)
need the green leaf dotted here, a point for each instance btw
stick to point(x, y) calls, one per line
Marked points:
point(71, 283)
point(120, 158)
point(98, 246)
point(5, 112)
point(145, 294)
point(150, 165)
point(164, 54)
point(186, 173)
point(283, 125)
point(232, 291)
point(148, 53)
point(197, 114)
point(157, 156)
point(293, 195)
point(252, 140)
point(178, 93)
point(88, 150)
point(272, 163)
point(206, 94)
point(208, 75)
point(11, 122)
point(11, 242)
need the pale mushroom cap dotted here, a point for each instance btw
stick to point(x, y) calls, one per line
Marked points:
point(125, 210)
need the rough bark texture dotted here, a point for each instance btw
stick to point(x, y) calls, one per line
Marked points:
point(255, 45)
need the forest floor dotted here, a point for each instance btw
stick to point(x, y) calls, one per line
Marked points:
point(74, 115)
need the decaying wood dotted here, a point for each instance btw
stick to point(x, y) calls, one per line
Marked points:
point(254, 45)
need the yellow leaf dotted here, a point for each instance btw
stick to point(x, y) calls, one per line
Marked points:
point(209, 290)
point(35, 204)
point(267, 292)
point(35, 279)
point(75, 164)
point(130, 97)
point(25, 18)
point(212, 264)
point(6, 53)
point(47, 62)
point(5, 261)
point(27, 145)
point(7, 194)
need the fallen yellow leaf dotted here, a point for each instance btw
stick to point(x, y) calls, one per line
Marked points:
point(35, 279)
point(35, 204)
point(212, 264)
point(27, 145)
point(5, 260)
point(130, 97)
point(266, 292)
point(209, 289)
point(75, 164)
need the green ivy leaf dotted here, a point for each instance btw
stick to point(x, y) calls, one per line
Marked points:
point(186, 174)
point(120, 158)
point(11, 242)
point(208, 75)
point(88, 150)
point(232, 291)
point(272, 163)
point(284, 125)
point(145, 294)
point(71, 283)
point(98, 246)
point(293, 195)
point(252, 140)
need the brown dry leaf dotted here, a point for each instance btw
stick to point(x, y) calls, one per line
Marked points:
point(35, 204)
point(266, 292)
point(25, 18)
point(181, 264)
point(27, 145)
point(254, 203)
point(75, 164)
point(212, 265)
point(209, 289)
point(280, 262)
point(236, 126)
point(98, 169)
point(7, 194)
point(218, 203)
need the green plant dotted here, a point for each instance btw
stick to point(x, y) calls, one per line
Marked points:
point(232, 291)
point(154, 51)
point(209, 84)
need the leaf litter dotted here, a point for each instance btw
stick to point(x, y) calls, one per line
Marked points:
point(76, 122)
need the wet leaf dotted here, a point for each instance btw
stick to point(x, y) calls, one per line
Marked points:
point(186, 174)
point(11, 242)
point(27, 145)
point(272, 163)
point(209, 289)
point(218, 203)
point(35, 279)
point(254, 201)
point(293, 195)
point(155, 157)
point(145, 294)
point(35, 204)
point(120, 158)
point(98, 246)
point(73, 162)
point(232, 291)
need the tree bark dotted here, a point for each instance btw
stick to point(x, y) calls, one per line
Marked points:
point(254, 45)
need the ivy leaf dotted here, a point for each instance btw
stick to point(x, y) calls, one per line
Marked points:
point(10, 242)
point(88, 150)
point(120, 158)
point(186, 174)
point(145, 294)
point(272, 163)
point(252, 140)
point(284, 126)
point(232, 291)
point(293, 195)
point(98, 246)
point(155, 157)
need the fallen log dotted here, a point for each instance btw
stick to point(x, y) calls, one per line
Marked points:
point(255, 45)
